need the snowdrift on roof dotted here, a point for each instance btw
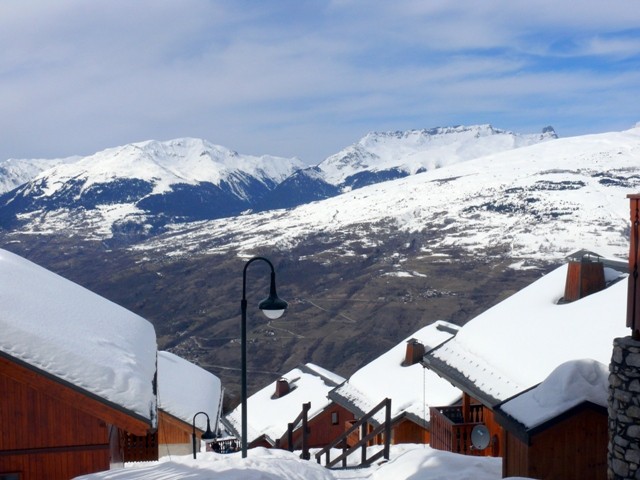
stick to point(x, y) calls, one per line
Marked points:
point(71, 333)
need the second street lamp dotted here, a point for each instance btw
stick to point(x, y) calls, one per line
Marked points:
point(208, 436)
point(273, 307)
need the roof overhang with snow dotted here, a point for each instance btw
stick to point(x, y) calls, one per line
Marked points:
point(55, 327)
point(519, 342)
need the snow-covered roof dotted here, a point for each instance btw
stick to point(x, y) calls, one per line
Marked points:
point(270, 416)
point(519, 342)
point(569, 385)
point(412, 388)
point(185, 389)
point(65, 330)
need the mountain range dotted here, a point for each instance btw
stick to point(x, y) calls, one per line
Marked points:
point(135, 191)
point(394, 232)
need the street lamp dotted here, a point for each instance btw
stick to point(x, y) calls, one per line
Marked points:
point(208, 436)
point(273, 308)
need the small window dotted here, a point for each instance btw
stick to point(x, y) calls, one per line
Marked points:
point(334, 418)
point(9, 476)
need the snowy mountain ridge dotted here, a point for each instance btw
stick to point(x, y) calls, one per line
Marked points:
point(542, 201)
point(143, 185)
point(413, 151)
point(135, 190)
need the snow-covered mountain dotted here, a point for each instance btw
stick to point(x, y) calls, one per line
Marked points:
point(542, 201)
point(133, 191)
point(143, 185)
point(382, 156)
point(14, 172)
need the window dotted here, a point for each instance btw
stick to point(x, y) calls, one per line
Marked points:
point(334, 418)
point(9, 476)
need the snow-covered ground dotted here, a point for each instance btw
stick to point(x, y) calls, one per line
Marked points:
point(411, 461)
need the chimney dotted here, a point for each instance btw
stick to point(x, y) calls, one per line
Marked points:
point(415, 352)
point(633, 292)
point(282, 388)
point(585, 275)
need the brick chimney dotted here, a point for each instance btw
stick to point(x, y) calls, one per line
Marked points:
point(282, 388)
point(633, 299)
point(414, 353)
point(585, 275)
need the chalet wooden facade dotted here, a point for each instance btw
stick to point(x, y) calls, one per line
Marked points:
point(173, 437)
point(572, 446)
point(273, 408)
point(571, 303)
point(451, 428)
point(184, 390)
point(77, 374)
point(50, 429)
point(411, 388)
point(559, 428)
point(322, 428)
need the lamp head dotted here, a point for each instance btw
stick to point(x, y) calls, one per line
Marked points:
point(273, 306)
point(208, 436)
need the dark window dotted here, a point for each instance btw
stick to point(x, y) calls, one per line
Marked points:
point(334, 418)
point(9, 476)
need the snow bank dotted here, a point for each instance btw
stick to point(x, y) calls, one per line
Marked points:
point(406, 462)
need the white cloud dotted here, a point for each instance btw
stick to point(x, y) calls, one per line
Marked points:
point(80, 76)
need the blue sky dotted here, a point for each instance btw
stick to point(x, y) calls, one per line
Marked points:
point(308, 78)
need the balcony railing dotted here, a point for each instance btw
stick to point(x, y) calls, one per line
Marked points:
point(450, 432)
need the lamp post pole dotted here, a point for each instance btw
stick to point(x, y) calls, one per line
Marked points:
point(273, 307)
point(207, 435)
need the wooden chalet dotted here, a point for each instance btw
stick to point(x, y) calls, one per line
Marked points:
point(184, 390)
point(77, 374)
point(514, 346)
point(53, 429)
point(399, 375)
point(558, 430)
point(273, 411)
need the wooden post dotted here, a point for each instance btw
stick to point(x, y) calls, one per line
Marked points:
point(633, 299)
point(466, 407)
point(305, 431)
point(387, 428)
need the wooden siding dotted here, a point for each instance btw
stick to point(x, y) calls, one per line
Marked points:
point(173, 430)
point(406, 431)
point(49, 430)
point(55, 465)
point(43, 437)
point(79, 399)
point(321, 429)
point(572, 449)
point(515, 461)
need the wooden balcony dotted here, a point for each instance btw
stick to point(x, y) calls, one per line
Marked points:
point(449, 430)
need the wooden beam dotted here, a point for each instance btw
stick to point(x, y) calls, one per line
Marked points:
point(633, 300)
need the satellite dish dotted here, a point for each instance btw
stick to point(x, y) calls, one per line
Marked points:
point(480, 437)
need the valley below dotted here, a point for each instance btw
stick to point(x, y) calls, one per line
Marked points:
point(344, 310)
